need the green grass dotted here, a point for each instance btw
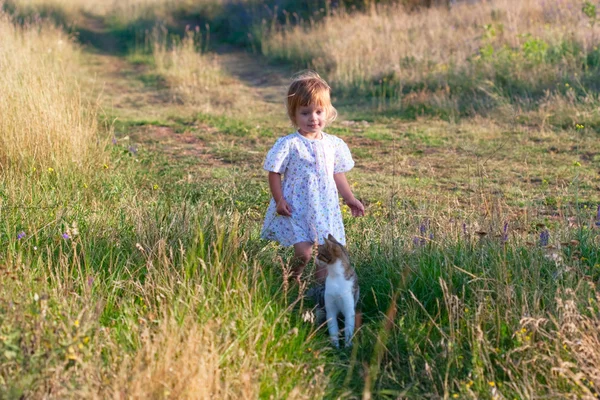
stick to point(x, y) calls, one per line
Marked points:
point(448, 291)
point(162, 265)
point(166, 240)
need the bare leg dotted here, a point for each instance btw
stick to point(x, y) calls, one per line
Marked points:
point(302, 255)
point(320, 273)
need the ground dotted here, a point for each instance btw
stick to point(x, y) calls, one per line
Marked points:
point(457, 159)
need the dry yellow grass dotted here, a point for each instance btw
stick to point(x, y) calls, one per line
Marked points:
point(563, 346)
point(194, 77)
point(44, 120)
point(411, 46)
point(121, 12)
point(62, 12)
point(184, 362)
point(128, 11)
point(56, 4)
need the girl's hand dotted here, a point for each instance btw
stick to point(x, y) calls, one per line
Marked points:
point(283, 208)
point(356, 207)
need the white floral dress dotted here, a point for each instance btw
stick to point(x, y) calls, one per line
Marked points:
point(307, 167)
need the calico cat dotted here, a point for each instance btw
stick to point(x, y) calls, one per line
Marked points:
point(341, 289)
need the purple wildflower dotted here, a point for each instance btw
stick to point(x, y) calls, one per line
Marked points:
point(598, 216)
point(505, 232)
point(133, 150)
point(465, 229)
point(423, 228)
point(431, 236)
point(21, 235)
point(423, 232)
point(66, 236)
point(416, 240)
point(90, 281)
point(544, 237)
point(114, 140)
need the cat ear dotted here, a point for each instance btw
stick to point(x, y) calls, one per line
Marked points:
point(331, 238)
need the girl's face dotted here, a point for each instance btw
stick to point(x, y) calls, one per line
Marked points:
point(311, 119)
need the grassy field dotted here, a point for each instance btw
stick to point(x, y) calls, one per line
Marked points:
point(450, 62)
point(132, 196)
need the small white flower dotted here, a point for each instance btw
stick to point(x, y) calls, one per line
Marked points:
point(308, 316)
point(293, 331)
point(74, 229)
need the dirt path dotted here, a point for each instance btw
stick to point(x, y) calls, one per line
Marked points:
point(131, 89)
point(114, 83)
point(266, 82)
point(93, 33)
point(142, 107)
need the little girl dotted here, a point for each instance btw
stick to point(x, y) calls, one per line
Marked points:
point(305, 206)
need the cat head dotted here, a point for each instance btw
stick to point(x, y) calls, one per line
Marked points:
point(331, 251)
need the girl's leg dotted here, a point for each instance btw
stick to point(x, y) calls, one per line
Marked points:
point(320, 273)
point(302, 255)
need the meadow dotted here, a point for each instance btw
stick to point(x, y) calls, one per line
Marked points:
point(132, 194)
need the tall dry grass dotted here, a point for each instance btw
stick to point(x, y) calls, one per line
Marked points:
point(193, 75)
point(119, 14)
point(130, 12)
point(44, 120)
point(38, 4)
point(130, 9)
point(66, 13)
point(391, 40)
point(524, 47)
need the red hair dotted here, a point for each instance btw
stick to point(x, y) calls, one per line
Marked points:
point(309, 89)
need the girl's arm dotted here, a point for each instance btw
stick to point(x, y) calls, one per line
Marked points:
point(283, 208)
point(344, 189)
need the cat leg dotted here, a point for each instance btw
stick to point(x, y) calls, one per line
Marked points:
point(320, 316)
point(349, 319)
point(317, 294)
point(332, 324)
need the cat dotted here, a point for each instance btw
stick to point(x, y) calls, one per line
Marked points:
point(341, 289)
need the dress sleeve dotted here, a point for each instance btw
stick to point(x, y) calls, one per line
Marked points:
point(343, 161)
point(277, 158)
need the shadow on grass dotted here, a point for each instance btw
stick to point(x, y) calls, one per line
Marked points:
point(93, 34)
